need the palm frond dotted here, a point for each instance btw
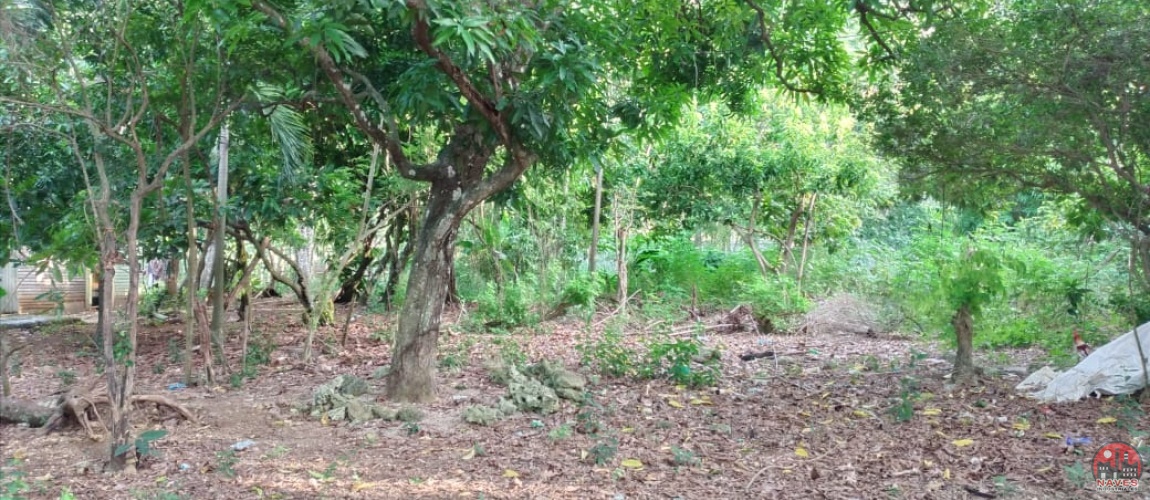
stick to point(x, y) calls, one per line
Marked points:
point(288, 130)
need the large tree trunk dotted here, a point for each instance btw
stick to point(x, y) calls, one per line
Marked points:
point(412, 376)
point(963, 323)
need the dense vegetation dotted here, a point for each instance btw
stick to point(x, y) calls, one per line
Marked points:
point(973, 171)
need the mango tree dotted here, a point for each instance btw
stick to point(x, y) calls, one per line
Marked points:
point(95, 77)
point(1030, 96)
point(503, 85)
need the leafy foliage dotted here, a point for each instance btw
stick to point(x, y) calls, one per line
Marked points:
point(143, 444)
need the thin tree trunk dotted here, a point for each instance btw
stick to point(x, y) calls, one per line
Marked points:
point(810, 222)
point(789, 240)
point(621, 225)
point(5, 385)
point(349, 289)
point(405, 235)
point(592, 250)
point(749, 237)
point(121, 401)
point(347, 320)
point(219, 284)
point(172, 279)
point(192, 279)
point(963, 323)
point(1143, 362)
point(1140, 252)
point(246, 267)
point(246, 336)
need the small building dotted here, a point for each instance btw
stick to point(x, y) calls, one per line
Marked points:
point(34, 289)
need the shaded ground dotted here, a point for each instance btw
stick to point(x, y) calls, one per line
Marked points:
point(824, 421)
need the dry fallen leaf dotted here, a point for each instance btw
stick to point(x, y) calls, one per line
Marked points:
point(1053, 435)
point(470, 454)
point(946, 474)
point(802, 452)
point(1107, 420)
point(962, 442)
point(932, 412)
point(675, 403)
point(861, 413)
point(510, 473)
point(1021, 425)
point(632, 463)
point(360, 486)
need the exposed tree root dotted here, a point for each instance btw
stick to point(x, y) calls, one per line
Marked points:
point(81, 408)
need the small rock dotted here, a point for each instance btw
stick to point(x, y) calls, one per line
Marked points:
point(357, 411)
point(1020, 371)
point(482, 415)
point(385, 413)
point(243, 445)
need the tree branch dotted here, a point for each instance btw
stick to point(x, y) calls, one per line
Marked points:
point(329, 67)
point(776, 55)
point(420, 31)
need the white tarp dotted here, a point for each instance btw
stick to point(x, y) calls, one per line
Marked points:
point(1111, 369)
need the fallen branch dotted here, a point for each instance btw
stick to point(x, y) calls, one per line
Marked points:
point(613, 313)
point(696, 328)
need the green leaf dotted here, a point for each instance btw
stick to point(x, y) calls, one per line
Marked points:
point(152, 435)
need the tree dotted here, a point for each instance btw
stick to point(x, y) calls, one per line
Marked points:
point(1030, 95)
point(93, 77)
point(764, 174)
point(501, 86)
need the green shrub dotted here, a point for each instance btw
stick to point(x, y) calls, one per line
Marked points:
point(608, 354)
point(683, 361)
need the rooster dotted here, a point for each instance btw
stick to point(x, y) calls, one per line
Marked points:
point(1081, 346)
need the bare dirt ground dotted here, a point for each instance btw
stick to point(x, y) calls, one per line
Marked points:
point(823, 422)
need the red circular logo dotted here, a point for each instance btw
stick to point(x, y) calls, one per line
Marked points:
point(1117, 461)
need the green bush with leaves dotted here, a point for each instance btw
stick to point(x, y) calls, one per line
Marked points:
point(505, 309)
point(776, 301)
point(143, 444)
point(608, 354)
point(682, 361)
